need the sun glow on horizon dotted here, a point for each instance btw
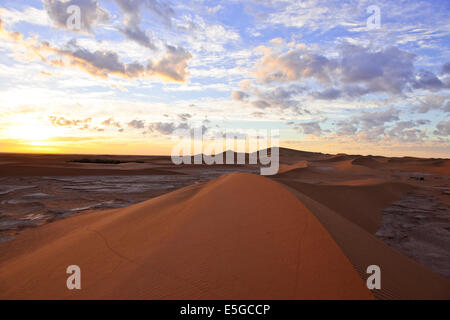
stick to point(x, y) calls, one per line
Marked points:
point(32, 133)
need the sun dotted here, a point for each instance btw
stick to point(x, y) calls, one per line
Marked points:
point(31, 132)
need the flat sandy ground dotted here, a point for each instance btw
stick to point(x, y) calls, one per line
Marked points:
point(143, 228)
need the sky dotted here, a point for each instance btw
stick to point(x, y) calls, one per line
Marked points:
point(121, 76)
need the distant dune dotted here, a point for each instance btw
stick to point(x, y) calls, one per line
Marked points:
point(367, 162)
point(338, 157)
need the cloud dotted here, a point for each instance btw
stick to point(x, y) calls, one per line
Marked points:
point(260, 104)
point(377, 118)
point(442, 128)
point(99, 63)
point(347, 127)
point(173, 66)
point(281, 98)
point(407, 131)
point(214, 10)
point(445, 68)
point(11, 36)
point(184, 116)
point(45, 74)
point(311, 128)
point(28, 14)
point(388, 70)
point(141, 37)
point(90, 14)
point(309, 13)
point(136, 124)
point(432, 102)
point(284, 73)
point(293, 65)
point(427, 80)
point(328, 94)
point(206, 36)
point(382, 126)
point(367, 125)
point(446, 108)
point(167, 128)
point(239, 95)
point(103, 63)
point(132, 10)
point(110, 122)
point(355, 71)
point(63, 122)
point(257, 114)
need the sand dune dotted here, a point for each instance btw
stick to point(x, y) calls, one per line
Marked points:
point(367, 162)
point(337, 158)
point(360, 204)
point(328, 173)
point(289, 167)
point(434, 166)
point(241, 236)
point(402, 278)
point(310, 174)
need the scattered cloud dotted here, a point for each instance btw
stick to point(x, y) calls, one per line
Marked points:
point(132, 17)
point(311, 128)
point(294, 65)
point(110, 122)
point(136, 124)
point(101, 63)
point(239, 95)
point(433, 102)
point(446, 68)
point(328, 94)
point(367, 125)
point(443, 128)
point(184, 116)
point(428, 80)
point(63, 122)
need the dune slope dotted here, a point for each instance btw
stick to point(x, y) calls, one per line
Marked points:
point(361, 204)
point(401, 277)
point(241, 236)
